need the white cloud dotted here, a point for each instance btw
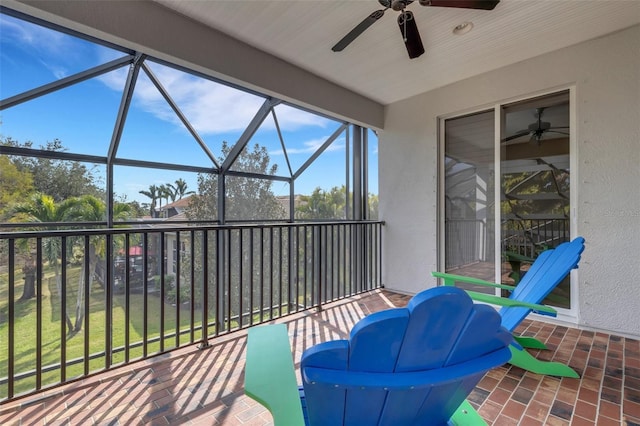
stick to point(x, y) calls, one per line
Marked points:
point(210, 107)
point(290, 118)
point(311, 146)
point(35, 36)
point(60, 53)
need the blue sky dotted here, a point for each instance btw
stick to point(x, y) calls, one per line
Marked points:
point(82, 116)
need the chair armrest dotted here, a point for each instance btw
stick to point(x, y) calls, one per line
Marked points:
point(451, 279)
point(502, 301)
point(270, 375)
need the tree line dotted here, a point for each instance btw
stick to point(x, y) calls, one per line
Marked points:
point(41, 189)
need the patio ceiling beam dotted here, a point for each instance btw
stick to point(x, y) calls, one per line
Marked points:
point(357, 190)
point(284, 149)
point(123, 110)
point(179, 113)
point(53, 155)
point(365, 174)
point(163, 166)
point(248, 133)
point(320, 150)
point(65, 82)
point(125, 102)
point(237, 173)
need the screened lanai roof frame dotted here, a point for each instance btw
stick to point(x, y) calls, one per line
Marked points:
point(137, 61)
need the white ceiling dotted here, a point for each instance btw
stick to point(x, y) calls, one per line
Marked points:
point(376, 64)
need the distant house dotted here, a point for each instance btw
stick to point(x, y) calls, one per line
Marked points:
point(176, 208)
point(283, 200)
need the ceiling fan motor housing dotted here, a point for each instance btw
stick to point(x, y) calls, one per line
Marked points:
point(399, 5)
point(539, 127)
point(396, 5)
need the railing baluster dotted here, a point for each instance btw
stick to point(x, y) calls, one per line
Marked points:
point(63, 309)
point(261, 274)
point(220, 281)
point(127, 299)
point(205, 290)
point(87, 265)
point(241, 233)
point(317, 249)
point(341, 288)
point(280, 257)
point(251, 276)
point(335, 292)
point(145, 293)
point(192, 272)
point(161, 259)
point(108, 286)
point(228, 286)
point(177, 259)
point(39, 274)
point(12, 320)
point(305, 259)
point(270, 273)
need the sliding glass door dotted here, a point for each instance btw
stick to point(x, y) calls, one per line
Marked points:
point(526, 145)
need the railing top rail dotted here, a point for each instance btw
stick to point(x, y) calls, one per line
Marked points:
point(163, 227)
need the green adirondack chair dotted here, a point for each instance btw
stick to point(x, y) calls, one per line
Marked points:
point(548, 270)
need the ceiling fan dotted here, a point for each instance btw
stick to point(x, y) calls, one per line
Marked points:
point(537, 129)
point(406, 21)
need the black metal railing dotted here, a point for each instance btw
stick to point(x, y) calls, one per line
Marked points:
point(77, 302)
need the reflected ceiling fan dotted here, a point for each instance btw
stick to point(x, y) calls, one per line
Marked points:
point(406, 21)
point(537, 129)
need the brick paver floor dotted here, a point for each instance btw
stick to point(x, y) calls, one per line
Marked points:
point(194, 386)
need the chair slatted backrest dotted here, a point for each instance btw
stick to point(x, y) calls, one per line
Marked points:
point(548, 270)
point(439, 331)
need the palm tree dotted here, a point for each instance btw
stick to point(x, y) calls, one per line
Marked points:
point(179, 190)
point(172, 192)
point(93, 209)
point(163, 192)
point(42, 208)
point(152, 193)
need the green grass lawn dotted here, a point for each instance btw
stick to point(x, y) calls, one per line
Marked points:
point(53, 333)
point(55, 338)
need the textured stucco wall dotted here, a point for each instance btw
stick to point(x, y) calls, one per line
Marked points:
point(605, 73)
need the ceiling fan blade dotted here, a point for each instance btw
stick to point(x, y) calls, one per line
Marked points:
point(515, 136)
point(359, 29)
point(465, 4)
point(410, 34)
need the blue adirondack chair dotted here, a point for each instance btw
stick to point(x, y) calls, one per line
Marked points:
point(548, 270)
point(403, 366)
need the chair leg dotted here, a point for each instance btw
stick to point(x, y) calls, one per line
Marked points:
point(466, 415)
point(530, 342)
point(523, 359)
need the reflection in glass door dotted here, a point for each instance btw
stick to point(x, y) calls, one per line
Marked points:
point(469, 206)
point(535, 186)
